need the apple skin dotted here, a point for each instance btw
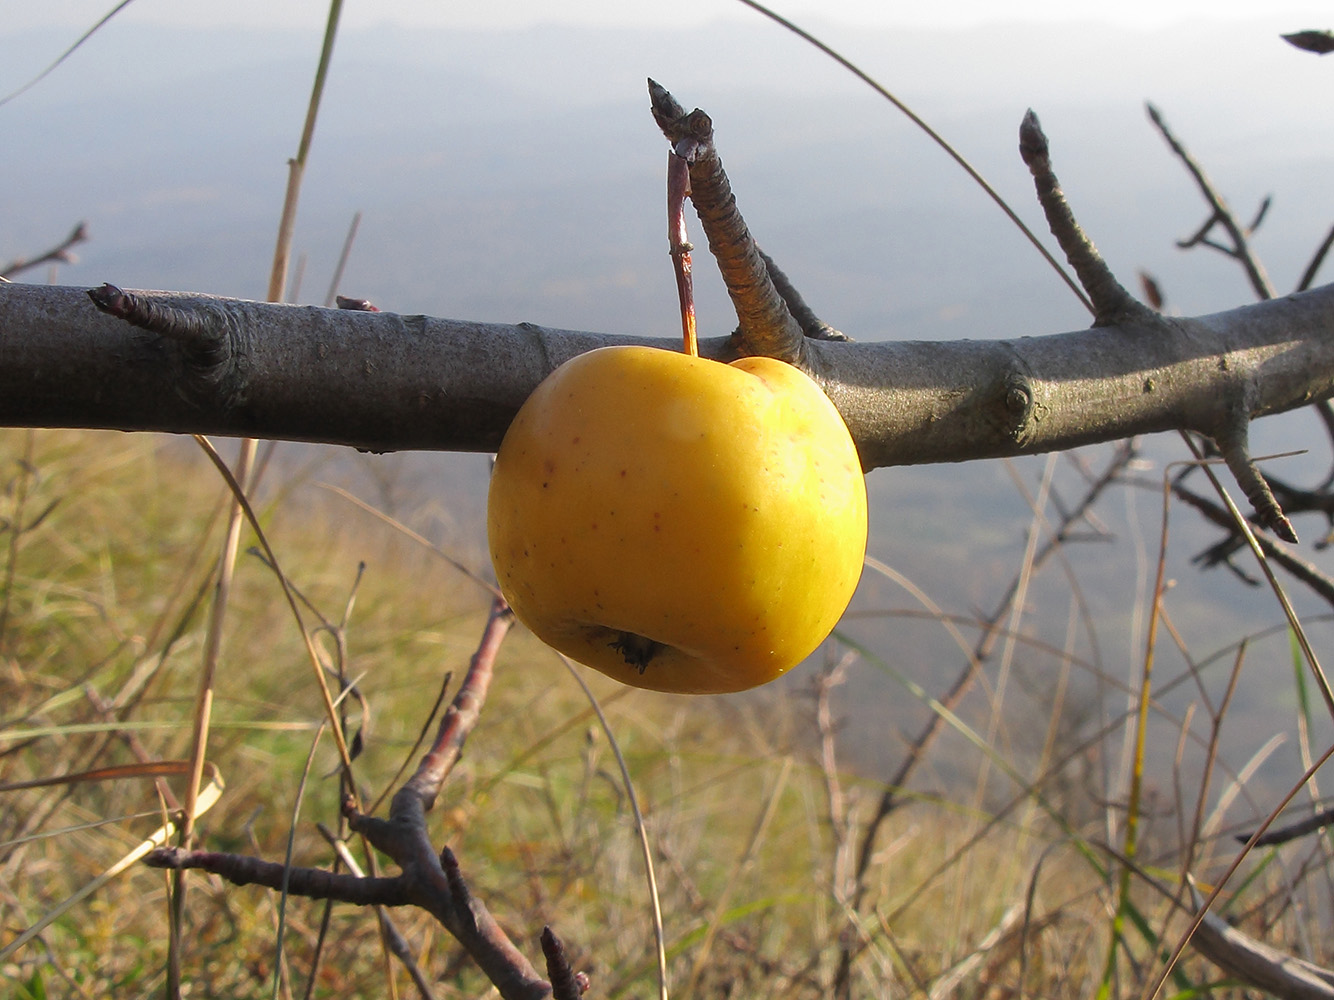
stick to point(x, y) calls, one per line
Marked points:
point(678, 523)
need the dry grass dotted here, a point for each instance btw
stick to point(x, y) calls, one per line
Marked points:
point(1003, 890)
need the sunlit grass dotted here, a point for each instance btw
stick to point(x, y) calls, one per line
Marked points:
point(103, 623)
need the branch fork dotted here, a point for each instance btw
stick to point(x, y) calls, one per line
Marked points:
point(1113, 305)
point(428, 879)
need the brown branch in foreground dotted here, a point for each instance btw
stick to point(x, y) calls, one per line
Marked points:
point(428, 879)
point(765, 326)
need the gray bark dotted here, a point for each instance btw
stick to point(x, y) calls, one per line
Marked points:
point(382, 382)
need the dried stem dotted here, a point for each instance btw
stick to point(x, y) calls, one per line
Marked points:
point(678, 190)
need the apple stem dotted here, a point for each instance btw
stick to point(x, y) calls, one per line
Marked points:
point(678, 190)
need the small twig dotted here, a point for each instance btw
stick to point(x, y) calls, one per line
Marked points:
point(566, 984)
point(58, 254)
point(1221, 213)
point(1112, 304)
point(310, 883)
point(1299, 568)
point(398, 944)
point(202, 330)
point(429, 879)
point(1322, 819)
point(1231, 439)
point(1308, 276)
point(461, 716)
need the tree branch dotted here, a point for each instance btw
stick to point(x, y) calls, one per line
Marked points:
point(384, 382)
point(1111, 302)
point(1256, 963)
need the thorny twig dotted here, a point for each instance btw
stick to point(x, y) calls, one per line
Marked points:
point(1112, 304)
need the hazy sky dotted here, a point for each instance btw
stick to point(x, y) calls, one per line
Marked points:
point(16, 14)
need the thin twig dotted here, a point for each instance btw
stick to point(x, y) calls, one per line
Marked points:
point(58, 254)
point(1112, 304)
point(1221, 213)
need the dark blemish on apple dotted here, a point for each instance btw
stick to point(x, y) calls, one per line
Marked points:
point(636, 649)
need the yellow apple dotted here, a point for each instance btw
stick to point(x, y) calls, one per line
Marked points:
point(675, 522)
